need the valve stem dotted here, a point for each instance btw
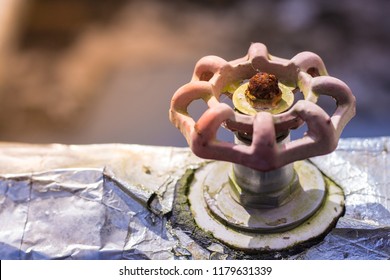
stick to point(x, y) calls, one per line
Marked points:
point(263, 90)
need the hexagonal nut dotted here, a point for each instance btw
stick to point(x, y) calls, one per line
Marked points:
point(264, 200)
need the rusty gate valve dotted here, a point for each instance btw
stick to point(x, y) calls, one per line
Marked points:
point(305, 72)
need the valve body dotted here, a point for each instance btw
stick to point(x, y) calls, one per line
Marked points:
point(262, 192)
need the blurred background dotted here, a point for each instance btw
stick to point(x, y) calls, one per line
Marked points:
point(87, 71)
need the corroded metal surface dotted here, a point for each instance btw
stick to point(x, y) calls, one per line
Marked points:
point(272, 229)
point(114, 202)
point(307, 198)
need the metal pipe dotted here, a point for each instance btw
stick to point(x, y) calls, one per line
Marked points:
point(258, 189)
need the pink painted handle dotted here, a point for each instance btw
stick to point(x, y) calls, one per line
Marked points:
point(212, 74)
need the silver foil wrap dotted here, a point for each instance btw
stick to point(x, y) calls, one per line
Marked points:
point(113, 201)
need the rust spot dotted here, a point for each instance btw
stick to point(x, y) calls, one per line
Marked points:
point(263, 89)
point(146, 169)
point(277, 222)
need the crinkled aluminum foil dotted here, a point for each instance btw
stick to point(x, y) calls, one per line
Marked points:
point(362, 168)
point(88, 202)
point(112, 202)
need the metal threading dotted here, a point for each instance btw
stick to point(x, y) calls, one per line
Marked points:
point(256, 189)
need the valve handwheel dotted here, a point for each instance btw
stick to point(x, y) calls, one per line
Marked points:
point(263, 178)
point(305, 71)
